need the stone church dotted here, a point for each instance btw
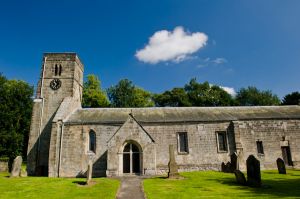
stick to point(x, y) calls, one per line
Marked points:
point(64, 137)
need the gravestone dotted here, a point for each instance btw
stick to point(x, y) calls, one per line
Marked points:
point(230, 167)
point(223, 167)
point(89, 173)
point(234, 162)
point(240, 177)
point(173, 168)
point(281, 166)
point(227, 168)
point(16, 167)
point(253, 172)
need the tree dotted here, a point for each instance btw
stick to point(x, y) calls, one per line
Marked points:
point(251, 96)
point(93, 96)
point(15, 116)
point(177, 97)
point(142, 98)
point(125, 94)
point(206, 94)
point(291, 99)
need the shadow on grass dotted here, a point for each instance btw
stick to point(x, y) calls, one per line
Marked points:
point(270, 187)
point(79, 182)
point(162, 177)
point(166, 178)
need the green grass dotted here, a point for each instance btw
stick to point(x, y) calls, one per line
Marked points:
point(43, 187)
point(211, 184)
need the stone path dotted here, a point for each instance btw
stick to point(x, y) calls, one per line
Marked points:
point(131, 188)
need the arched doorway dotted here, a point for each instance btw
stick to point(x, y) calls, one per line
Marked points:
point(131, 159)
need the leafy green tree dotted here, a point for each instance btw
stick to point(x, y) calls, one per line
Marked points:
point(142, 98)
point(177, 97)
point(207, 95)
point(252, 96)
point(15, 116)
point(291, 99)
point(93, 96)
point(125, 94)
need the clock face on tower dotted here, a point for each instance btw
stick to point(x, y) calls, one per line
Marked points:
point(55, 84)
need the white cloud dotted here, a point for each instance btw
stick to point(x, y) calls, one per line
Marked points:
point(174, 45)
point(229, 90)
point(219, 60)
point(204, 62)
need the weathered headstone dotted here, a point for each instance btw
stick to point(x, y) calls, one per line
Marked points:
point(16, 167)
point(234, 162)
point(240, 177)
point(89, 173)
point(230, 167)
point(223, 167)
point(227, 168)
point(281, 166)
point(173, 168)
point(253, 172)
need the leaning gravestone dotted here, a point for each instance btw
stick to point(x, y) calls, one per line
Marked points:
point(253, 172)
point(16, 167)
point(89, 173)
point(281, 166)
point(173, 168)
point(240, 177)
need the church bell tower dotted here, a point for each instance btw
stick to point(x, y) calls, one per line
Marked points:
point(61, 78)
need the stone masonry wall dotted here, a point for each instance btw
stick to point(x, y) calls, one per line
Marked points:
point(75, 152)
point(32, 151)
point(270, 132)
point(202, 143)
point(203, 152)
point(131, 133)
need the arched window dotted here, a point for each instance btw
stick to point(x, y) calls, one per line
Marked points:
point(92, 141)
point(55, 70)
point(60, 70)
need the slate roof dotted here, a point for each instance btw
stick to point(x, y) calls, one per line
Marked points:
point(183, 114)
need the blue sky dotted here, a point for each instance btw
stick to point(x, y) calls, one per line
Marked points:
point(248, 42)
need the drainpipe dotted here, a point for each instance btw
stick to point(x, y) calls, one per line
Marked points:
point(155, 167)
point(60, 147)
point(41, 114)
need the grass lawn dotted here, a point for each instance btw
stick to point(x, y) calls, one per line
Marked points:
point(43, 187)
point(211, 184)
